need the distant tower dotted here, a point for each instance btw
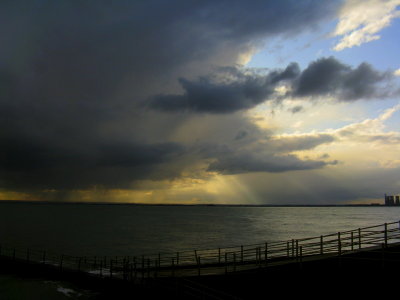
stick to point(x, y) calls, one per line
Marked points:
point(389, 200)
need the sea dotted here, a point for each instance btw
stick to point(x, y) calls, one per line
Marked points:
point(131, 230)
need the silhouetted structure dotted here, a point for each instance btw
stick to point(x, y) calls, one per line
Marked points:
point(390, 200)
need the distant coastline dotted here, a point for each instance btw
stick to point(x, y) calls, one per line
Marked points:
point(190, 204)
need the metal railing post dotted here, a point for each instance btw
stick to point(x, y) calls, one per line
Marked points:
point(287, 249)
point(111, 268)
point(142, 266)
point(199, 265)
point(352, 241)
point(135, 268)
point(301, 257)
point(130, 272)
point(385, 235)
point(292, 247)
point(226, 263)
point(156, 268)
point(321, 244)
point(148, 268)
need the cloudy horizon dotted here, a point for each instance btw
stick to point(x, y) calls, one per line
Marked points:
point(211, 102)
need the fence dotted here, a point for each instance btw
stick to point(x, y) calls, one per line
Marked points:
point(211, 261)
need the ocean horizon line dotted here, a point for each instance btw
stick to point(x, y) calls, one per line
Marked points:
point(55, 202)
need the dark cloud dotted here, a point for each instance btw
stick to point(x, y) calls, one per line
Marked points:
point(29, 164)
point(321, 77)
point(291, 72)
point(72, 76)
point(245, 90)
point(207, 96)
point(328, 76)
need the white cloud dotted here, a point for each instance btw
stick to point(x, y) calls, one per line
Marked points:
point(349, 141)
point(361, 20)
point(371, 130)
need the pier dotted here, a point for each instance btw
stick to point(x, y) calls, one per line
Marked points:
point(206, 271)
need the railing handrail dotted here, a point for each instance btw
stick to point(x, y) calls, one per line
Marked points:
point(270, 244)
point(256, 254)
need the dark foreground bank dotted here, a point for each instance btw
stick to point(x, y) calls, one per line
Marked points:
point(367, 273)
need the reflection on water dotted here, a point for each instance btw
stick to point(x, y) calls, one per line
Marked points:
point(81, 229)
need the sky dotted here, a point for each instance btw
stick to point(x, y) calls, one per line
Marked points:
point(200, 102)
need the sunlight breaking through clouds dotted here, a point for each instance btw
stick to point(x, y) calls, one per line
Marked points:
point(157, 102)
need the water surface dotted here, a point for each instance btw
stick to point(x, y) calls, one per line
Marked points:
point(83, 229)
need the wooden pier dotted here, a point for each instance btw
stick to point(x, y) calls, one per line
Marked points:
point(203, 271)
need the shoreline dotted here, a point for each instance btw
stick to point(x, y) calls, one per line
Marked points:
point(189, 205)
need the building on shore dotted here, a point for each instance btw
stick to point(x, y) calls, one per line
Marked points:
point(391, 200)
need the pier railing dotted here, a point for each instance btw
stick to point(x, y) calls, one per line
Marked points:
point(211, 261)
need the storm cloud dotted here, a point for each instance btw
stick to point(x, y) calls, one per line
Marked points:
point(111, 94)
point(245, 89)
point(242, 91)
point(330, 77)
point(31, 164)
point(74, 75)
